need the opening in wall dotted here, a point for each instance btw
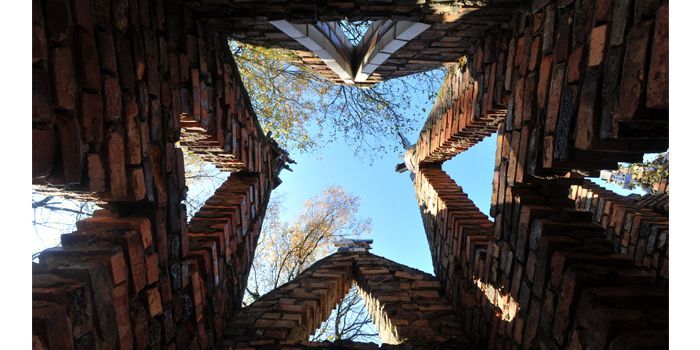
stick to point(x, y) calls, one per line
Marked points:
point(651, 176)
point(53, 216)
point(477, 184)
point(202, 179)
point(350, 320)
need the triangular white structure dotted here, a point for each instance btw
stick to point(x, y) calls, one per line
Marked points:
point(353, 63)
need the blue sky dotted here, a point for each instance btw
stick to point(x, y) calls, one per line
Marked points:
point(386, 197)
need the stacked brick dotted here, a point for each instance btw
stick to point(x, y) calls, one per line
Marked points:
point(109, 89)
point(457, 230)
point(459, 118)
point(458, 236)
point(572, 287)
point(104, 284)
point(453, 25)
point(111, 83)
point(293, 311)
point(635, 230)
point(111, 285)
point(546, 277)
point(405, 303)
point(657, 202)
point(584, 83)
point(561, 73)
point(589, 83)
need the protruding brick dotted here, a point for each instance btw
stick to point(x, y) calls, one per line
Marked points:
point(62, 78)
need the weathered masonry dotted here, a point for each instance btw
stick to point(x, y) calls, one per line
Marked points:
point(116, 84)
point(570, 87)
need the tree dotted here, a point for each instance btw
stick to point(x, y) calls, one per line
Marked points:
point(349, 321)
point(202, 179)
point(286, 248)
point(302, 110)
point(648, 173)
point(53, 216)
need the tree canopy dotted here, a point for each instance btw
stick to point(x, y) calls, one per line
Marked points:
point(302, 110)
point(648, 173)
point(287, 247)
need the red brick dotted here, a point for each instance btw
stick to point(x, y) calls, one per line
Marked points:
point(96, 173)
point(95, 275)
point(586, 120)
point(51, 324)
point(43, 151)
point(41, 105)
point(74, 296)
point(152, 269)
point(155, 306)
point(596, 51)
point(62, 78)
point(137, 183)
point(87, 61)
point(119, 14)
point(108, 57)
point(139, 224)
point(113, 99)
point(59, 26)
point(544, 81)
point(133, 134)
point(39, 44)
point(573, 65)
point(563, 34)
point(558, 76)
point(633, 72)
point(535, 53)
point(139, 319)
point(657, 86)
point(72, 148)
point(91, 117)
point(117, 166)
point(83, 14)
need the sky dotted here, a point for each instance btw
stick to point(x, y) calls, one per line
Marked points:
point(386, 197)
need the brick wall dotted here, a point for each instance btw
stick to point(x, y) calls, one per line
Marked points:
point(459, 119)
point(405, 304)
point(458, 235)
point(454, 25)
point(585, 86)
point(635, 230)
point(111, 83)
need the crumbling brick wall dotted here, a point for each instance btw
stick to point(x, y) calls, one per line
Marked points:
point(585, 86)
point(111, 82)
point(635, 230)
point(454, 24)
point(405, 304)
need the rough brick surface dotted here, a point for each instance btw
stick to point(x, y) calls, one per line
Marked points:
point(572, 87)
point(106, 114)
point(406, 304)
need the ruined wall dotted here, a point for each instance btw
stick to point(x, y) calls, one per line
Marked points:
point(460, 117)
point(458, 236)
point(405, 304)
point(454, 24)
point(111, 82)
point(635, 230)
point(585, 86)
point(293, 311)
